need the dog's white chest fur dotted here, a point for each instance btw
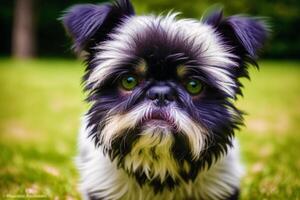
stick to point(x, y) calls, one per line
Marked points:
point(102, 179)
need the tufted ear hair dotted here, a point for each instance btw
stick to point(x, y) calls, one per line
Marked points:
point(89, 24)
point(247, 35)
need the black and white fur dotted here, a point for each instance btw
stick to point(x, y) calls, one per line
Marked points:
point(175, 146)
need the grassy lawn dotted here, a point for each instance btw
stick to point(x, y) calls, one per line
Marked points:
point(40, 106)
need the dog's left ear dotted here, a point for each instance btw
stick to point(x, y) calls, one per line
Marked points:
point(245, 34)
point(89, 24)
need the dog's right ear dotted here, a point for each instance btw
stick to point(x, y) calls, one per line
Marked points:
point(89, 24)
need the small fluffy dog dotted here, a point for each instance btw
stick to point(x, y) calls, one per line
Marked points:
point(161, 120)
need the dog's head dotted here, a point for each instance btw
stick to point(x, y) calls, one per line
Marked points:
point(162, 89)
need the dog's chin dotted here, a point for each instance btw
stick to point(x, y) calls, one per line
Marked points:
point(144, 130)
point(159, 147)
point(151, 154)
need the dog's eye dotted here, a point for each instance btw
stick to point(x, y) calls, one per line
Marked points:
point(194, 86)
point(129, 82)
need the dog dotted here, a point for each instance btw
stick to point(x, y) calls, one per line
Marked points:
point(161, 91)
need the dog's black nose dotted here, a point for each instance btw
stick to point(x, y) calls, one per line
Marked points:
point(161, 95)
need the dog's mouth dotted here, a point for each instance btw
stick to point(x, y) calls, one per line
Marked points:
point(159, 118)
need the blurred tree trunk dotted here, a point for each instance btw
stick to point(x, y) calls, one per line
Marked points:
point(23, 38)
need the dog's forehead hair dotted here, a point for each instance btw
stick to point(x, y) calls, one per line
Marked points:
point(164, 71)
point(164, 42)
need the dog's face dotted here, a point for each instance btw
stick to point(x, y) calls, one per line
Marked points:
point(161, 89)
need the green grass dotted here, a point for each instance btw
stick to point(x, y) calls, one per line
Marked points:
point(40, 106)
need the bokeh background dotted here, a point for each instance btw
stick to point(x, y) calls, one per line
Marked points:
point(41, 99)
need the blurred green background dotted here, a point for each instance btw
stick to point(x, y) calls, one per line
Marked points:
point(50, 38)
point(41, 99)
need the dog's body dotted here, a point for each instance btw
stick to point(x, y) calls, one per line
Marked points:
point(161, 122)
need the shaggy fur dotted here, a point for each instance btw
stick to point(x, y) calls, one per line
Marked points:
point(157, 140)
